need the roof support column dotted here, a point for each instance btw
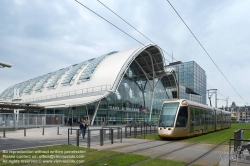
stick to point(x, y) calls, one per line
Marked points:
point(152, 98)
point(96, 108)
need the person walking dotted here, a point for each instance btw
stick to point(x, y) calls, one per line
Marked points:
point(70, 121)
point(87, 123)
point(104, 121)
point(83, 128)
point(114, 120)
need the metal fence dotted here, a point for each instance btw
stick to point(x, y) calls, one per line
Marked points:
point(108, 135)
point(95, 137)
point(239, 148)
point(135, 130)
point(25, 120)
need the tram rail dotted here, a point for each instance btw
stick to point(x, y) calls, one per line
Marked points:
point(164, 154)
point(203, 155)
point(111, 157)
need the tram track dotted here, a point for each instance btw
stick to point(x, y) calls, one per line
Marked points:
point(208, 152)
point(111, 157)
point(191, 162)
point(163, 154)
point(130, 145)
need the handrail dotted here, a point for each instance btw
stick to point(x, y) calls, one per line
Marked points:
point(69, 93)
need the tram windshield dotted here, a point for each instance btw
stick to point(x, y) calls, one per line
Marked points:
point(168, 114)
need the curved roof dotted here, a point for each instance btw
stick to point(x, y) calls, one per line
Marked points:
point(71, 86)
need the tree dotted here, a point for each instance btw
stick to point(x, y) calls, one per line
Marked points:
point(233, 119)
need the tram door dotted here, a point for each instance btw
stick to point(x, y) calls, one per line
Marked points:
point(192, 121)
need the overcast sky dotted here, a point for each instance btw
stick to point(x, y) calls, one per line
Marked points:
point(42, 36)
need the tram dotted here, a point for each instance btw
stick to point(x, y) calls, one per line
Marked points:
point(180, 118)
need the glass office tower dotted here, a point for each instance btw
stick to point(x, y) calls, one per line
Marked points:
point(192, 81)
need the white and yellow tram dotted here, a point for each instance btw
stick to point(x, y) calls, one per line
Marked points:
point(183, 118)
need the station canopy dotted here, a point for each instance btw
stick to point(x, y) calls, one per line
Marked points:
point(91, 80)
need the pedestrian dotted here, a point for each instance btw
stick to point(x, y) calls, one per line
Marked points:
point(114, 120)
point(83, 128)
point(70, 121)
point(131, 120)
point(87, 123)
point(104, 121)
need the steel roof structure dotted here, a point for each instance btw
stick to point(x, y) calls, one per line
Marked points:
point(91, 80)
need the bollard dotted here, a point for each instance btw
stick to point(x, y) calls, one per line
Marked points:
point(144, 131)
point(121, 135)
point(101, 137)
point(141, 129)
point(126, 132)
point(57, 130)
point(24, 132)
point(88, 143)
point(71, 131)
point(43, 131)
point(112, 136)
point(68, 136)
point(3, 133)
point(135, 131)
point(130, 131)
point(77, 137)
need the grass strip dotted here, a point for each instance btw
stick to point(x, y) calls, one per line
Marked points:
point(124, 160)
point(160, 162)
point(210, 138)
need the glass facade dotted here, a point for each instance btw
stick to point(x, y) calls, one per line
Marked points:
point(132, 100)
point(192, 81)
point(130, 103)
point(136, 95)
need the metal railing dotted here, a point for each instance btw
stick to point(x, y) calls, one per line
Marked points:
point(239, 149)
point(25, 120)
point(69, 94)
point(105, 135)
point(25, 131)
point(140, 129)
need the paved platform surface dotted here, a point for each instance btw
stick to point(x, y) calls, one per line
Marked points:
point(163, 149)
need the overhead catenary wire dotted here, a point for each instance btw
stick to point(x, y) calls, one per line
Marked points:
point(138, 31)
point(109, 22)
point(131, 25)
point(146, 36)
point(117, 26)
point(205, 50)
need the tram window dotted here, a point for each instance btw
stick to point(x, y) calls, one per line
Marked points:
point(218, 114)
point(168, 114)
point(182, 117)
point(197, 116)
point(192, 116)
point(202, 116)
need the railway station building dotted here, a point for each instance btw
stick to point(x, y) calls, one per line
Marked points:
point(120, 87)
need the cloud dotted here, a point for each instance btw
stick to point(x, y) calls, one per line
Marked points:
point(39, 37)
